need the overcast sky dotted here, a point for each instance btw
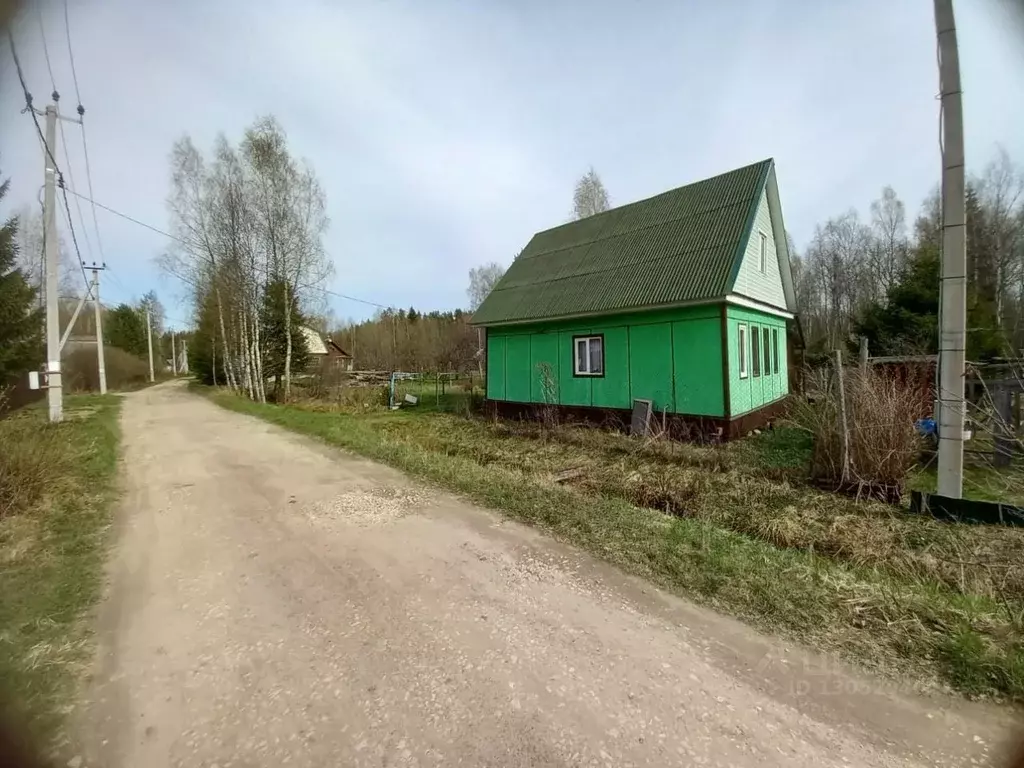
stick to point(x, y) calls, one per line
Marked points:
point(446, 132)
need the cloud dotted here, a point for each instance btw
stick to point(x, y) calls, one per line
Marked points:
point(446, 133)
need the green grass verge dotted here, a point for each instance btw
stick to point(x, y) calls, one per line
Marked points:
point(747, 539)
point(52, 552)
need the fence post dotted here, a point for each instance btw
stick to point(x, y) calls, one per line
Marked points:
point(842, 415)
point(863, 353)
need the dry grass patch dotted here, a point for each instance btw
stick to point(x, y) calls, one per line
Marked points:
point(57, 490)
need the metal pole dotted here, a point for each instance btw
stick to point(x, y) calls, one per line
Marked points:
point(101, 361)
point(174, 357)
point(149, 343)
point(953, 284)
point(54, 391)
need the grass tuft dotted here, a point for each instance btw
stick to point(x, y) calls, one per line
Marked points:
point(52, 537)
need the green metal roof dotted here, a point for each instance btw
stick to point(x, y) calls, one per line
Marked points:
point(677, 247)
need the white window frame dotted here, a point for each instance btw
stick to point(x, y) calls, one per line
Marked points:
point(763, 255)
point(742, 340)
point(587, 340)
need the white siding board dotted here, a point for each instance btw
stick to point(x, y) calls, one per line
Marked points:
point(750, 281)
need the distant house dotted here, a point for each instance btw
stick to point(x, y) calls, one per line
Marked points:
point(324, 349)
point(682, 299)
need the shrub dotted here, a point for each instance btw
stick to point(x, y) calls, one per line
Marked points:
point(883, 443)
point(34, 456)
point(124, 370)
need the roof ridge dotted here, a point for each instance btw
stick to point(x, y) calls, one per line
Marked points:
point(653, 197)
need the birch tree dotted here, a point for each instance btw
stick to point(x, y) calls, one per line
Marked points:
point(590, 196)
point(482, 280)
point(890, 244)
point(246, 218)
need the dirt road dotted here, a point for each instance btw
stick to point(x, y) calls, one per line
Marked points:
point(274, 602)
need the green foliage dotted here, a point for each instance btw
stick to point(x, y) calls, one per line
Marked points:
point(125, 328)
point(908, 322)
point(52, 547)
point(20, 321)
point(274, 331)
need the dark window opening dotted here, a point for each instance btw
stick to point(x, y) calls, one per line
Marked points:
point(755, 350)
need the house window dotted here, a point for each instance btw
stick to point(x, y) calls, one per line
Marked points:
point(767, 349)
point(742, 345)
point(763, 255)
point(589, 355)
point(775, 349)
point(755, 350)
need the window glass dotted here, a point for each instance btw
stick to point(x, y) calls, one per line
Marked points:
point(581, 355)
point(596, 355)
point(767, 351)
point(590, 356)
point(755, 350)
point(775, 349)
point(742, 344)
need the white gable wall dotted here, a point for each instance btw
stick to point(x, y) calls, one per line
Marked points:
point(764, 286)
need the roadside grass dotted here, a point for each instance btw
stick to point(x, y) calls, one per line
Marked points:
point(732, 526)
point(57, 488)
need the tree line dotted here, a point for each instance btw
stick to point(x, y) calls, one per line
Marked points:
point(879, 278)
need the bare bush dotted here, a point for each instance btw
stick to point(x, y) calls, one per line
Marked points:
point(882, 444)
point(124, 371)
point(33, 455)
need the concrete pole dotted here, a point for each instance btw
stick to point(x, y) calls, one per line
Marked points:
point(100, 353)
point(953, 284)
point(174, 357)
point(149, 342)
point(54, 391)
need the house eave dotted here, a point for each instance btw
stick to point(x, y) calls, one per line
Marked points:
point(738, 300)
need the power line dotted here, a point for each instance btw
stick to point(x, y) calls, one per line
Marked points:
point(46, 50)
point(71, 176)
point(198, 246)
point(81, 264)
point(85, 142)
point(71, 54)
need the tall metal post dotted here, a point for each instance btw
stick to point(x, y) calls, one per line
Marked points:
point(953, 284)
point(149, 342)
point(100, 355)
point(54, 391)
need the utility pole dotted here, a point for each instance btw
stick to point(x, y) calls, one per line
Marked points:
point(100, 355)
point(54, 391)
point(953, 283)
point(149, 342)
point(174, 357)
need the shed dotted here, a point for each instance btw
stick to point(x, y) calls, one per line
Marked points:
point(324, 351)
point(682, 299)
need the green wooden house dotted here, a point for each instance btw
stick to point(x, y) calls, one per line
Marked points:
point(682, 299)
